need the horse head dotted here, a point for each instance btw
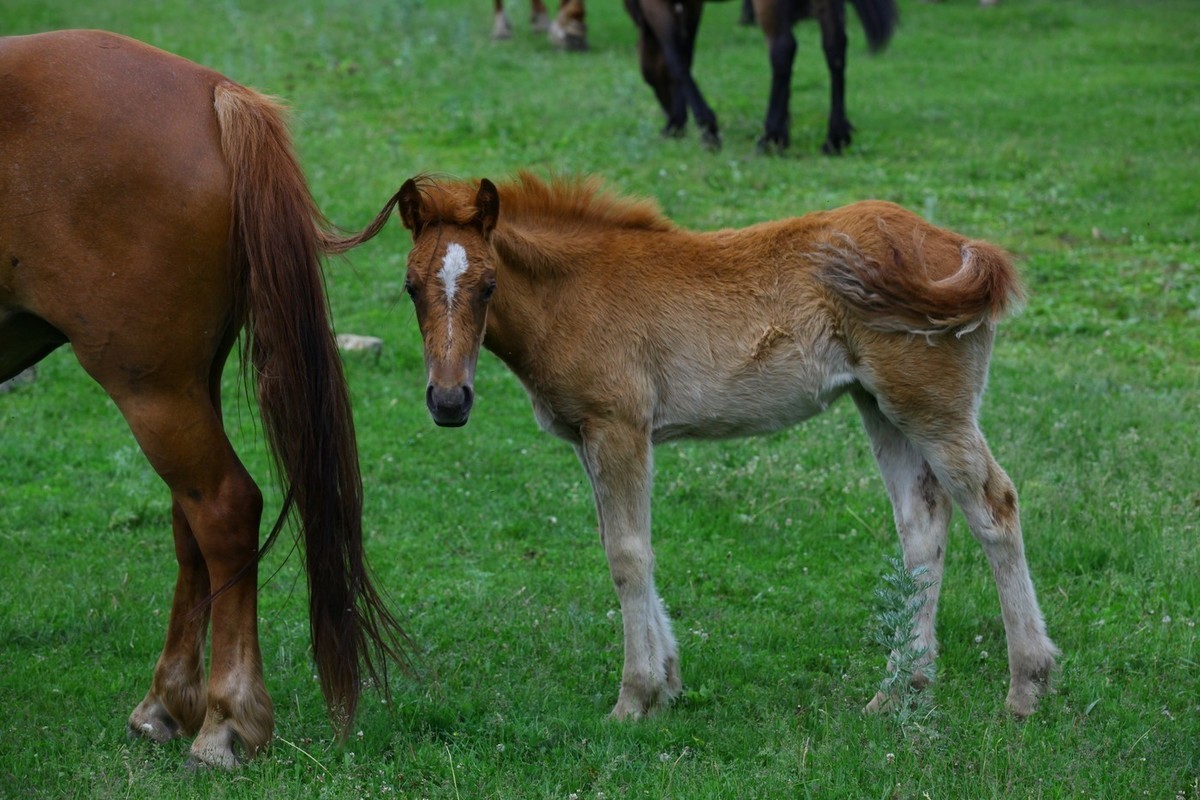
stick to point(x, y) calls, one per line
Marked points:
point(450, 278)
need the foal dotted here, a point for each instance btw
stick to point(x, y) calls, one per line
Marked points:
point(627, 331)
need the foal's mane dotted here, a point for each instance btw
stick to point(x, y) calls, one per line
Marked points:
point(527, 202)
point(554, 227)
point(543, 224)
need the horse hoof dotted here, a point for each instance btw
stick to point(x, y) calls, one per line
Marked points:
point(501, 28)
point(673, 131)
point(772, 146)
point(571, 36)
point(833, 148)
point(214, 751)
point(151, 720)
point(878, 703)
point(711, 141)
point(156, 731)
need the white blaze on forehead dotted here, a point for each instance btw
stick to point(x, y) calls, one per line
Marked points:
point(454, 264)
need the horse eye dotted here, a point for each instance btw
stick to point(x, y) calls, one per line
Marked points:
point(411, 289)
point(489, 289)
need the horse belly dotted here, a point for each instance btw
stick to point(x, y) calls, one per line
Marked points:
point(755, 401)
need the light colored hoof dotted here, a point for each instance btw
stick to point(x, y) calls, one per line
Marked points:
point(540, 22)
point(628, 710)
point(501, 27)
point(879, 703)
point(214, 749)
point(570, 36)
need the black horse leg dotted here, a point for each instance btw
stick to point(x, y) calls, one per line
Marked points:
point(776, 18)
point(782, 52)
point(832, 16)
point(688, 16)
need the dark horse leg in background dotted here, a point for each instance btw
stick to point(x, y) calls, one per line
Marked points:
point(666, 43)
point(776, 17)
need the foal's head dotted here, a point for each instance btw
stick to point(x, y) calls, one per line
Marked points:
point(450, 279)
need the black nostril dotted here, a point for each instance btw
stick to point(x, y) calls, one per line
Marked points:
point(449, 406)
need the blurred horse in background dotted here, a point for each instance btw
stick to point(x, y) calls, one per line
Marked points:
point(667, 32)
point(567, 31)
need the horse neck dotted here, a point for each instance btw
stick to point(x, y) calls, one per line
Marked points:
point(517, 317)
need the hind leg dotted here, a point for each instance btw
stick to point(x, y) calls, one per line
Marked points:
point(175, 703)
point(989, 501)
point(963, 463)
point(922, 508)
point(219, 502)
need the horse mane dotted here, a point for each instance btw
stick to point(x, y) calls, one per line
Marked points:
point(582, 201)
point(543, 223)
point(546, 227)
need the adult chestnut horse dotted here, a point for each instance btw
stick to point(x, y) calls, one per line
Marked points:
point(627, 331)
point(150, 209)
point(667, 32)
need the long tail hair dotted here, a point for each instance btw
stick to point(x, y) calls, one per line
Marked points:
point(879, 19)
point(901, 296)
point(278, 239)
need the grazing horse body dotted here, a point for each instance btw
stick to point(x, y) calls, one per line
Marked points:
point(627, 331)
point(150, 209)
point(567, 31)
point(666, 46)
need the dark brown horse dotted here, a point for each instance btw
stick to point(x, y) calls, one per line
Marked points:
point(666, 45)
point(150, 210)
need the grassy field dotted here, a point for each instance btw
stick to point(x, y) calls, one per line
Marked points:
point(1065, 130)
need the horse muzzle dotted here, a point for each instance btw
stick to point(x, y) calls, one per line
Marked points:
point(450, 407)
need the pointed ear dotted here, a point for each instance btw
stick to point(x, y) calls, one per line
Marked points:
point(410, 206)
point(487, 206)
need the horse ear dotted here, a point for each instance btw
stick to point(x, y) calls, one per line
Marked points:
point(487, 206)
point(409, 198)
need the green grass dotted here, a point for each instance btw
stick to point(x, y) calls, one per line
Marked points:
point(1064, 130)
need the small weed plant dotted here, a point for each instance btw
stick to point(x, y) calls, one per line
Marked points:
point(898, 601)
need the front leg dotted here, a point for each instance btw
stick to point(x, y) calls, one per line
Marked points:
point(776, 24)
point(618, 459)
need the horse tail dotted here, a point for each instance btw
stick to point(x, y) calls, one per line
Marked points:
point(879, 19)
point(899, 295)
point(277, 239)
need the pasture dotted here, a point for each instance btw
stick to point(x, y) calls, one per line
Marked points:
point(1064, 130)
